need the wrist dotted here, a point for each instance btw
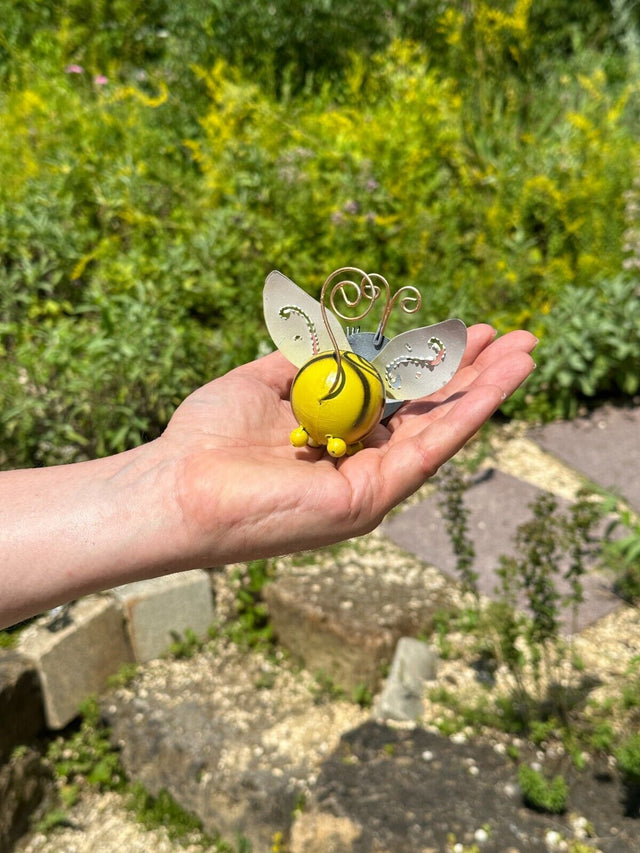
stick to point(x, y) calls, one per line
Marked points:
point(74, 529)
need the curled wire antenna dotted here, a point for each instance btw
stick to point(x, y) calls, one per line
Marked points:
point(354, 293)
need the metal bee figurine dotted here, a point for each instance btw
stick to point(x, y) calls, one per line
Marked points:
point(350, 380)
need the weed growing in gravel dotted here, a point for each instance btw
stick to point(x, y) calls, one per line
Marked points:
point(325, 689)
point(163, 811)
point(7, 640)
point(87, 755)
point(252, 628)
point(362, 696)
point(185, 646)
point(541, 794)
point(628, 758)
point(124, 676)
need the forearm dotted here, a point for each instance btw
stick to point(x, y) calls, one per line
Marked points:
point(73, 529)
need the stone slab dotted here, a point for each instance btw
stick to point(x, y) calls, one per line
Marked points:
point(604, 446)
point(21, 704)
point(498, 504)
point(343, 617)
point(156, 610)
point(233, 737)
point(407, 790)
point(75, 661)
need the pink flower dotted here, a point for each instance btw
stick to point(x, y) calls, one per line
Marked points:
point(100, 80)
point(74, 69)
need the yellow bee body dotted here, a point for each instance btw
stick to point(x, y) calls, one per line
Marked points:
point(336, 405)
point(349, 380)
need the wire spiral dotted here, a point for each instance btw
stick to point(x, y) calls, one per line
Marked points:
point(369, 289)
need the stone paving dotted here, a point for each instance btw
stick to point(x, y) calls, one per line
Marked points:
point(604, 448)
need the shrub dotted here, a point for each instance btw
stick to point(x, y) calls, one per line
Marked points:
point(138, 218)
point(589, 348)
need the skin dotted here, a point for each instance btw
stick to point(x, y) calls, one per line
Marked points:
point(223, 483)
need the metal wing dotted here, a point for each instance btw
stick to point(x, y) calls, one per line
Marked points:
point(420, 361)
point(295, 323)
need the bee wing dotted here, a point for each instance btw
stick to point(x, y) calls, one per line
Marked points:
point(420, 361)
point(294, 320)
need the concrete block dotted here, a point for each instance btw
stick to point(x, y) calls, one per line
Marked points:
point(155, 609)
point(344, 618)
point(75, 661)
point(414, 663)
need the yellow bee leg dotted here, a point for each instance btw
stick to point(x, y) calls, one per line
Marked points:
point(298, 437)
point(336, 446)
point(313, 443)
point(354, 448)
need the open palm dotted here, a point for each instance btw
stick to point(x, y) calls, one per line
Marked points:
point(246, 492)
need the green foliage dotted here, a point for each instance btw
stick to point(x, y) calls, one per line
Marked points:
point(456, 515)
point(622, 548)
point(124, 676)
point(589, 347)
point(252, 627)
point(325, 689)
point(362, 696)
point(180, 826)
point(541, 794)
point(159, 159)
point(8, 639)
point(185, 646)
point(163, 811)
point(541, 544)
point(302, 45)
point(628, 757)
point(520, 630)
point(87, 754)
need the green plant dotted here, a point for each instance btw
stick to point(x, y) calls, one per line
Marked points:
point(8, 639)
point(181, 826)
point(251, 627)
point(362, 696)
point(628, 757)
point(87, 754)
point(456, 515)
point(541, 543)
point(124, 676)
point(54, 818)
point(149, 186)
point(325, 688)
point(602, 736)
point(163, 811)
point(622, 553)
point(589, 348)
point(301, 46)
point(541, 794)
point(186, 646)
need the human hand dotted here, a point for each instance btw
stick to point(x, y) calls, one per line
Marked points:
point(223, 483)
point(245, 492)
